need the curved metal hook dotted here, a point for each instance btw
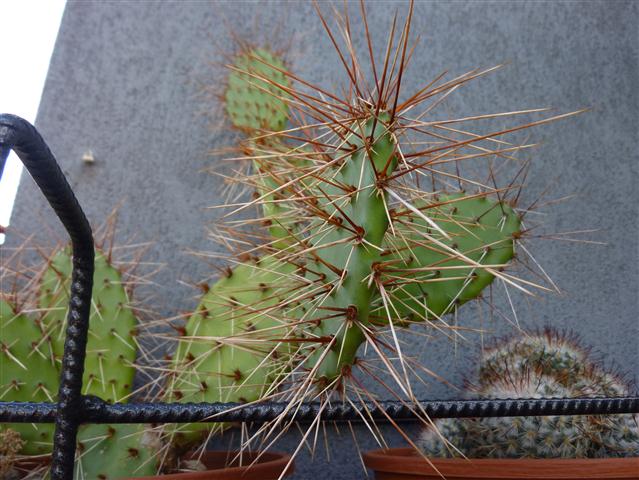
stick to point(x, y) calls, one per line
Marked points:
point(19, 135)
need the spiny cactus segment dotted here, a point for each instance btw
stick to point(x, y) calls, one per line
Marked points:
point(378, 207)
point(431, 282)
point(231, 349)
point(29, 372)
point(109, 452)
point(111, 345)
point(33, 326)
point(256, 94)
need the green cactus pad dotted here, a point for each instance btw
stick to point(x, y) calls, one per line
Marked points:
point(254, 104)
point(111, 346)
point(27, 374)
point(29, 369)
point(205, 368)
point(108, 452)
point(349, 244)
point(480, 229)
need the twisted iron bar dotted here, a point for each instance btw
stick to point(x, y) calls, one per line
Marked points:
point(72, 408)
point(22, 137)
point(4, 153)
point(95, 410)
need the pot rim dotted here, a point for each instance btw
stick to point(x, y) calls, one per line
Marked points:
point(274, 462)
point(406, 461)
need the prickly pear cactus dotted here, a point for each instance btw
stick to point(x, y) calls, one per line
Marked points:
point(331, 204)
point(377, 203)
point(28, 373)
point(256, 95)
point(543, 365)
point(32, 341)
point(111, 346)
point(104, 451)
point(423, 267)
point(107, 452)
point(232, 346)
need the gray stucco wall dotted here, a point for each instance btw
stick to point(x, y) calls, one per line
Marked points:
point(125, 82)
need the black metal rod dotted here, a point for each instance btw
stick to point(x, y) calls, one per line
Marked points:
point(96, 410)
point(4, 154)
point(19, 135)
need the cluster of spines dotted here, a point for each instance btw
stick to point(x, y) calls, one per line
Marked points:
point(542, 365)
point(10, 444)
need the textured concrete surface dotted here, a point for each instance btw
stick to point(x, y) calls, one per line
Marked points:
point(126, 78)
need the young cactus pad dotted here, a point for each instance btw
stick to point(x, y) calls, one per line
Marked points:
point(111, 345)
point(254, 97)
point(255, 100)
point(28, 373)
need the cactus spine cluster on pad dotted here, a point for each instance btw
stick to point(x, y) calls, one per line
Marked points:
point(109, 452)
point(542, 365)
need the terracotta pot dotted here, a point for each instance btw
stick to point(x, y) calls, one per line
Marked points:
point(406, 464)
point(269, 466)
